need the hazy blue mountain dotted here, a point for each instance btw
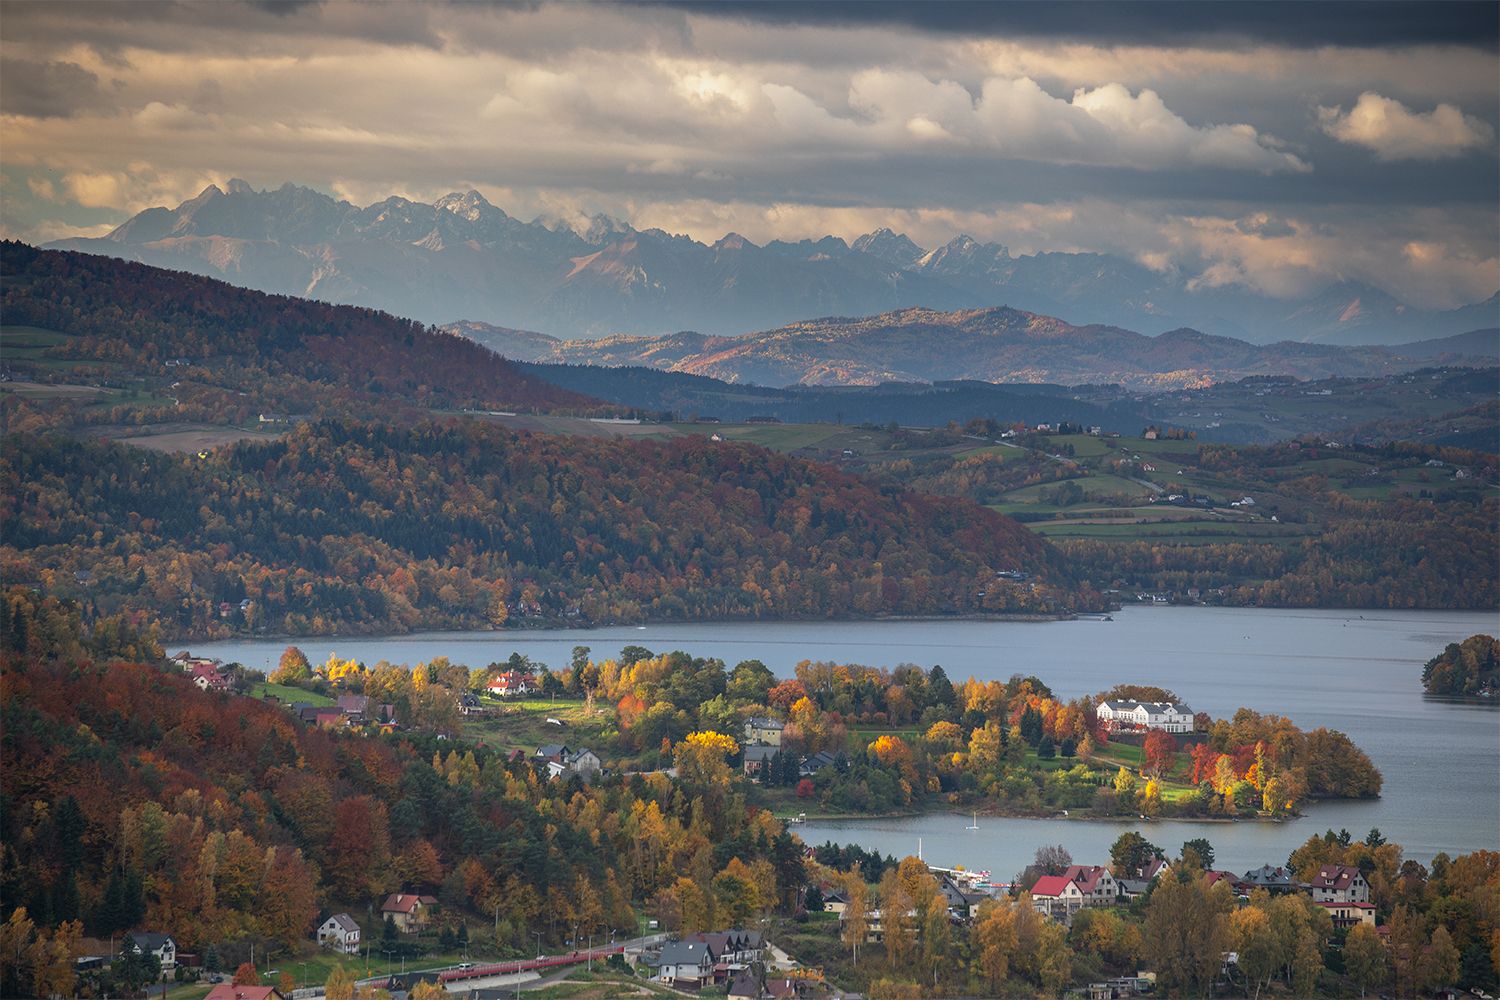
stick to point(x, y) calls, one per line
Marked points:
point(463, 258)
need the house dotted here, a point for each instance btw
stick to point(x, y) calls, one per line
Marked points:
point(961, 903)
point(1056, 896)
point(835, 901)
point(1339, 884)
point(229, 991)
point(408, 912)
point(208, 677)
point(744, 986)
point(353, 706)
point(550, 752)
point(1164, 715)
point(511, 684)
point(468, 704)
point(586, 763)
point(1156, 866)
point(340, 933)
point(1346, 915)
point(757, 759)
point(1096, 884)
point(813, 764)
point(767, 731)
point(152, 943)
point(1132, 888)
point(685, 963)
point(323, 716)
point(1273, 880)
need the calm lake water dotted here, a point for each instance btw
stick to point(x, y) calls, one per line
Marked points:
point(1358, 672)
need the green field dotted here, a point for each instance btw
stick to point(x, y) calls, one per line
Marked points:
point(523, 724)
point(288, 694)
point(1179, 532)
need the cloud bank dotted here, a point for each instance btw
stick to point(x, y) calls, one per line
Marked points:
point(1009, 122)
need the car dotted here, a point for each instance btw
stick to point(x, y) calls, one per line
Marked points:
point(462, 966)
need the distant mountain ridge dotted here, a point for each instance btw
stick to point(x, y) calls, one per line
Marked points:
point(991, 345)
point(463, 258)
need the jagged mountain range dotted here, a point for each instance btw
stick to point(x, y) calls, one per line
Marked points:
point(463, 258)
point(991, 345)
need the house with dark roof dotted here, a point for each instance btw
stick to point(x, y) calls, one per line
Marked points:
point(763, 730)
point(1273, 880)
point(811, 765)
point(745, 986)
point(685, 964)
point(1141, 715)
point(757, 758)
point(152, 943)
point(1346, 915)
point(549, 752)
point(339, 933)
point(1338, 884)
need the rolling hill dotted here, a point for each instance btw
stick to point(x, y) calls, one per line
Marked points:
point(990, 345)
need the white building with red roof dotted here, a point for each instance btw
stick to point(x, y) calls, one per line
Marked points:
point(1057, 896)
point(511, 684)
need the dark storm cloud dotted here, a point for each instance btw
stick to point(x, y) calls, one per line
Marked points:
point(1300, 25)
point(47, 89)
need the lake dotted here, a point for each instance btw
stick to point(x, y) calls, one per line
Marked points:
point(1359, 672)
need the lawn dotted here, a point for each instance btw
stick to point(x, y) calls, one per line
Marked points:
point(780, 437)
point(1178, 532)
point(288, 694)
point(523, 723)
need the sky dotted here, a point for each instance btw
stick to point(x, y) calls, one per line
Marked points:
point(1280, 146)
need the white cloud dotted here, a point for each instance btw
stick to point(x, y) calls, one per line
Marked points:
point(1395, 132)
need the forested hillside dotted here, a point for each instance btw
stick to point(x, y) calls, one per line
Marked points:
point(131, 798)
point(221, 351)
point(350, 526)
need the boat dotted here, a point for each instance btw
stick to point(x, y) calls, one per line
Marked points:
point(975, 824)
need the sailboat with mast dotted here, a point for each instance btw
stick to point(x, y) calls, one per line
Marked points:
point(974, 825)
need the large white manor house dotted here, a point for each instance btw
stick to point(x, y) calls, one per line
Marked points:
point(1164, 715)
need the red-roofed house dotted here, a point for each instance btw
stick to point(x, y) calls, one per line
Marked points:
point(512, 683)
point(1338, 884)
point(229, 991)
point(1056, 896)
point(207, 676)
point(408, 912)
point(1349, 914)
point(1096, 884)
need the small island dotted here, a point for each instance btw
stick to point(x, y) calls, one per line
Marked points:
point(1467, 670)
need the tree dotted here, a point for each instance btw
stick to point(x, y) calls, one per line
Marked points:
point(292, 668)
point(1160, 752)
point(1439, 963)
point(1198, 853)
point(1188, 931)
point(339, 985)
point(1364, 957)
point(856, 922)
point(246, 975)
point(1130, 854)
point(995, 934)
point(427, 991)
